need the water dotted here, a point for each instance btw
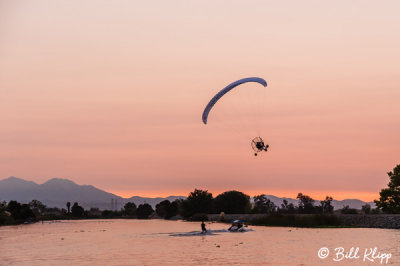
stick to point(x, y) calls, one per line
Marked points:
point(156, 242)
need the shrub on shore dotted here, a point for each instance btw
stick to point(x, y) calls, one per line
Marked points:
point(347, 210)
point(298, 220)
point(199, 217)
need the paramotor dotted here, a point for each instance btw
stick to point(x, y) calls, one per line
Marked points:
point(257, 143)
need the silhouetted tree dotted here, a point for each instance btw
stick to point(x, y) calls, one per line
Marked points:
point(366, 208)
point(68, 207)
point(144, 210)
point(306, 203)
point(161, 208)
point(93, 213)
point(37, 207)
point(13, 206)
point(263, 205)
point(179, 206)
point(389, 201)
point(375, 211)
point(326, 205)
point(172, 209)
point(3, 206)
point(347, 210)
point(232, 202)
point(20, 211)
point(76, 210)
point(130, 208)
point(108, 214)
point(287, 208)
point(5, 217)
point(167, 209)
point(64, 211)
point(198, 201)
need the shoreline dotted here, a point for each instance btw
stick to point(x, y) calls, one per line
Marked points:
point(382, 221)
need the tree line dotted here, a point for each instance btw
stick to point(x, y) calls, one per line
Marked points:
point(15, 212)
point(199, 203)
point(196, 206)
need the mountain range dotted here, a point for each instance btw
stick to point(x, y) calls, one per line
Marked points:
point(56, 192)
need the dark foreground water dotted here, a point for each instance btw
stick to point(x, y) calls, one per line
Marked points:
point(159, 242)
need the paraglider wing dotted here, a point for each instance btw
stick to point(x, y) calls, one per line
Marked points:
point(225, 90)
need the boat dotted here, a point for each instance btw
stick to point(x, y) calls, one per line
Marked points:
point(237, 226)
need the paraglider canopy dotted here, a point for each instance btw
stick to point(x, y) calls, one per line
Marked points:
point(225, 90)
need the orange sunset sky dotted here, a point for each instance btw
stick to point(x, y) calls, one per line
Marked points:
point(110, 93)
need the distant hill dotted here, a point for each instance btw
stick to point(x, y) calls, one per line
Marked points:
point(337, 204)
point(56, 192)
point(152, 201)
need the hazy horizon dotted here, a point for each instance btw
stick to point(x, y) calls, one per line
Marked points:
point(111, 94)
point(319, 196)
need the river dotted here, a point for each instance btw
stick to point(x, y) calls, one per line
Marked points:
point(160, 242)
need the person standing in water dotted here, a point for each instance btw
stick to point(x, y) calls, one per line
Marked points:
point(203, 227)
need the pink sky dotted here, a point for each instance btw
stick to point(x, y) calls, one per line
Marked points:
point(110, 93)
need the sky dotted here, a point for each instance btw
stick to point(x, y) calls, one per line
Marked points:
point(111, 93)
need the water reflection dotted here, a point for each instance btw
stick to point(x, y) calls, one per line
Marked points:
point(149, 242)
